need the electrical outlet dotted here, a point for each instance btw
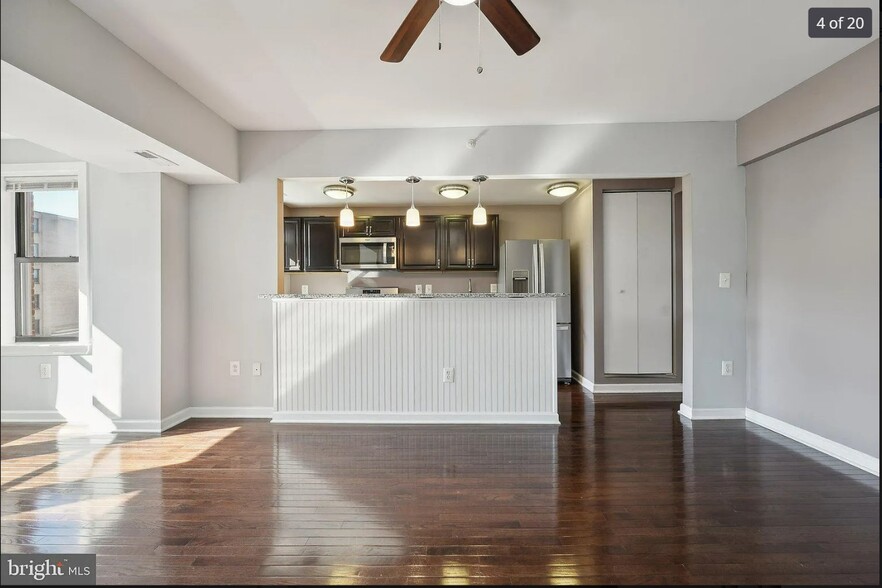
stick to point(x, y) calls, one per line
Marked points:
point(448, 374)
point(45, 370)
point(255, 368)
point(727, 368)
point(428, 288)
point(725, 280)
point(234, 368)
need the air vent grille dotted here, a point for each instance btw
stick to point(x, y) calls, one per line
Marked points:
point(157, 159)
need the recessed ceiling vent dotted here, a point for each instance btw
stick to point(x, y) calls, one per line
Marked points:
point(157, 159)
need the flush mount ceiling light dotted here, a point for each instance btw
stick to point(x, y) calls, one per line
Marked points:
point(453, 191)
point(413, 215)
point(347, 217)
point(479, 215)
point(563, 189)
point(341, 191)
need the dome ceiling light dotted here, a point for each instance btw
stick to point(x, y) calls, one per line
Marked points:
point(341, 191)
point(563, 189)
point(453, 191)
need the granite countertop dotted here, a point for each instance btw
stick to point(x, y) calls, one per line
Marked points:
point(408, 295)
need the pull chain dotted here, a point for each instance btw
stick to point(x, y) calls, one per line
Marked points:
point(480, 67)
point(440, 3)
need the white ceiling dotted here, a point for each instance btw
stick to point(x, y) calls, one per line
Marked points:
point(396, 192)
point(314, 64)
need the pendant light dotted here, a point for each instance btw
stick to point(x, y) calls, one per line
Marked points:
point(479, 215)
point(413, 215)
point(347, 217)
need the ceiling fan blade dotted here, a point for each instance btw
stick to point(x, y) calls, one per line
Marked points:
point(511, 24)
point(406, 35)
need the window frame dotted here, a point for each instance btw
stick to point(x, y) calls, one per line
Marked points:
point(9, 346)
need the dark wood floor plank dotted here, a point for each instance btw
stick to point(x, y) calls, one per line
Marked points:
point(623, 492)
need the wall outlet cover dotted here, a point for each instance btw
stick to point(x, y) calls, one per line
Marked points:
point(428, 288)
point(448, 375)
point(45, 370)
point(234, 368)
point(728, 368)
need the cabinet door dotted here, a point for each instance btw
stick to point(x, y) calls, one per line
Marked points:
point(485, 245)
point(620, 317)
point(320, 244)
point(293, 250)
point(655, 302)
point(457, 250)
point(359, 229)
point(420, 247)
point(383, 226)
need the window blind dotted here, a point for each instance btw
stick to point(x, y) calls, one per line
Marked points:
point(40, 183)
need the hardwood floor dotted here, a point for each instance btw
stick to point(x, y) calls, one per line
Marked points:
point(619, 493)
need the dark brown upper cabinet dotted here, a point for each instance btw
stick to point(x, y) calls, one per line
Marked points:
point(293, 245)
point(372, 226)
point(471, 247)
point(320, 244)
point(419, 248)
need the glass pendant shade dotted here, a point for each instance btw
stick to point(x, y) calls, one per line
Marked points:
point(413, 217)
point(479, 215)
point(347, 217)
point(460, 2)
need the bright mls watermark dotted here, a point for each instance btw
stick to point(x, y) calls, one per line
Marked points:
point(59, 569)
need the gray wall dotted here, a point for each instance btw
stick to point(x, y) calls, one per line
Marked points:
point(578, 227)
point(813, 287)
point(175, 244)
point(846, 89)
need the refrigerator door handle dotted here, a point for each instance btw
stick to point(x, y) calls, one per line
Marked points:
point(535, 268)
point(541, 268)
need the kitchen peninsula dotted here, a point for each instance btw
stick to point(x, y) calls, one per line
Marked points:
point(407, 358)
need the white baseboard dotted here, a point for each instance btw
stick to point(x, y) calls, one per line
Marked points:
point(231, 412)
point(391, 418)
point(175, 419)
point(31, 416)
point(653, 388)
point(711, 414)
point(841, 452)
point(137, 426)
point(582, 381)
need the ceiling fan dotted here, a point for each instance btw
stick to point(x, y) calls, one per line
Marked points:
point(502, 14)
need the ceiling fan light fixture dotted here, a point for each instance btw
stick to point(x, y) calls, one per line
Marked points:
point(453, 191)
point(563, 189)
point(459, 2)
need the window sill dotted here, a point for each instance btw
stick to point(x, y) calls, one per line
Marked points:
point(38, 349)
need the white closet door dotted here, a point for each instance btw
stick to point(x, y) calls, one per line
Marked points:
point(654, 283)
point(620, 319)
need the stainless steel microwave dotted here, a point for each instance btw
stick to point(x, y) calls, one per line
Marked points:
point(368, 253)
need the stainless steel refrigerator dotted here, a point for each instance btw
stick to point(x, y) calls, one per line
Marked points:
point(542, 266)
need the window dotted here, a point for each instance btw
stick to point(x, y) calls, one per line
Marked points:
point(46, 259)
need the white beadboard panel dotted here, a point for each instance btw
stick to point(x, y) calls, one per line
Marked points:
point(383, 358)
